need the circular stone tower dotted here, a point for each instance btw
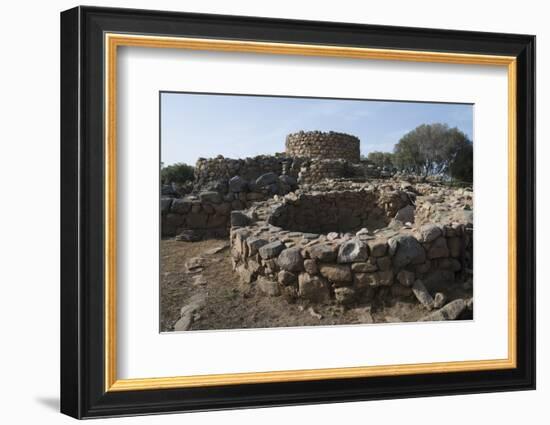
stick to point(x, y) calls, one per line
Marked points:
point(317, 144)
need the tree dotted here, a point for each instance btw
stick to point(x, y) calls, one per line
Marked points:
point(432, 149)
point(177, 173)
point(462, 167)
point(381, 159)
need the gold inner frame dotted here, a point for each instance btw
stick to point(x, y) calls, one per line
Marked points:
point(113, 41)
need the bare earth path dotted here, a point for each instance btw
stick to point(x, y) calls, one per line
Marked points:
point(214, 298)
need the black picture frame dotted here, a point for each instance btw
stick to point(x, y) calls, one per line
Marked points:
point(82, 219)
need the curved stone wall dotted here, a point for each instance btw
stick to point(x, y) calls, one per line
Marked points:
point(221, 169)
point(348, 268)
point(317, 144)
point(335, 211)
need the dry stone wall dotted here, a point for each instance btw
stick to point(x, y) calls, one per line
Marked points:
point(317, 144)
point(207, 213)
point(351, 267)
point(221, 169)
point(334, 211)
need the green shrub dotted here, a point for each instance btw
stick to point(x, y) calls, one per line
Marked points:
point(177, 173)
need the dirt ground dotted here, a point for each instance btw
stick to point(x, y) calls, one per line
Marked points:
point(218, 300)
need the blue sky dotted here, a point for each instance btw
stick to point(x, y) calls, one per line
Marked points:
point(204, 125)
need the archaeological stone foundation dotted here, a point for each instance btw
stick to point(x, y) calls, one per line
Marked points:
point(319, 224)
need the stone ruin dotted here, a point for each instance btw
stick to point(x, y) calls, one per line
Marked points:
point(318, 224)
point(222, 185)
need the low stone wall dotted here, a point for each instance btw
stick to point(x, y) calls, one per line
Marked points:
point(349, 268)
point(214, 170)
point(316, 170)
point(317, 144)
point(207, 214)
point(337, 211)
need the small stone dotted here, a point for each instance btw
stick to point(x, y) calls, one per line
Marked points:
point(384, 263)
point(210, 196)
point(423, 295)
point(364, 315)
point(438, 249)
point(189, 235)
point(268, 286)
point(336, 272)
point(363, 231)
point(332, 235)
point(266, 179)
point(187, 313)
point(409, 251)
point(237, 184)
point(271, 266)
point(310, 266)
point(271, 250)
point(239, 219)
point(246, 275)
point(450, 312)
point(439, 300)
point(385, 278)
point(286, 278)
point(405, 214)
point(181, 206)
point(288, 180)
point(323, 252)
point(195, 263)
point(313, 288)
point(470, 304)
point(216, 249)
point(344, 295)
point(352, 251)
point(291, 260)
point(405, 278)
point(429, 233)
point(254, 244)
point(364, 280)
point(377, 247)
point(314, 313)
point(365, 267)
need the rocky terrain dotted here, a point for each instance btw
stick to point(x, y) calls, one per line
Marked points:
point(313, 236)
point(203, 287)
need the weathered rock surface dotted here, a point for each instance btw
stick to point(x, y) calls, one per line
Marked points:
point(323, 253)
point(336, 272)
point(287, 278)
point(405, 278)
point(423, 295)
point(439, 300)
point(313, 288)
point(408, 251)
point(351, 251)
point(239, 219)
point(268, 286)
point(266, 179)
point(237, 184)
point(344, 295)
point(291, 260)
point(451, 311)
point(272, 249)
point(405, 214)
point(429, 232)
point(438, 249)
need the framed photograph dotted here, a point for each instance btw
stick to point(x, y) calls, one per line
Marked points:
point(261, 212)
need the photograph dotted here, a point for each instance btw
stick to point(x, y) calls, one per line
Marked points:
point(280, 211)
